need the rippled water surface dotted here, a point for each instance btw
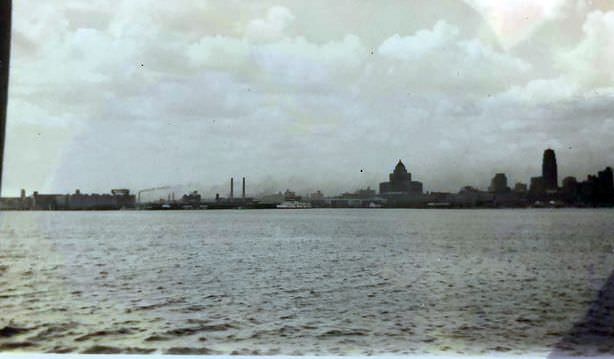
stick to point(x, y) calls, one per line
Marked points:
point(299, 281)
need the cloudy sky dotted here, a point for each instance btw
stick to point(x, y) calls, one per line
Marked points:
point(305, 94)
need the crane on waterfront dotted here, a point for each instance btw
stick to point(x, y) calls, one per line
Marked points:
point(150, 190)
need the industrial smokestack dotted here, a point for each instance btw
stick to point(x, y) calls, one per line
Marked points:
point(243, 189)
point(232, 187)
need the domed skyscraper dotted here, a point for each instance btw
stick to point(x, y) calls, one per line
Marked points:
point(400, 182)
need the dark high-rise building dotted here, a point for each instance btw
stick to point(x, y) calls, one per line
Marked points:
point(537, 187)
point(569, 190)
point(400, 182)
point(570, 184)
point(520, 187)
point(605, 181)
point(498, 184)
point(598, 190)
point(606, 178)
point(549, 171)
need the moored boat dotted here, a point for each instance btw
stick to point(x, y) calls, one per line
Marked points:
point(293, 205)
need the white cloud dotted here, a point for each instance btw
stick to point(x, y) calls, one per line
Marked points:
point(219, 52)
point(421, 43)
point(299, 63)
point(439, 59)
point(515, 20)
point(236, 88)
point(270, 28)
point(590, 62)
point(541, 91)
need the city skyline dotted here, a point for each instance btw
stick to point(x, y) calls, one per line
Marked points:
point(193, 92)
point(400, 181)
point(400, 191)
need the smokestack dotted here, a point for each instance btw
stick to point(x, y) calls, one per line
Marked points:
point(243, 189)
point(232, 187)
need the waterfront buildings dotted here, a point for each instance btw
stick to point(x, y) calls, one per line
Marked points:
point(118, 199)
point(544, 190)
point(361, 198)
point(316, 196)
point(191, 200)
point(548, 182)
point(550, 171)
point(537, 187)
point(365, 193)
point(274, 198)
point(569, 190)
point(400, 191)
point(520, 187)
point(498, 184)
point(400, 183)
point(596, 190)
point(472, 197)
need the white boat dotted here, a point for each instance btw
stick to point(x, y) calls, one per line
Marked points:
point(293, 205)
point(439, 204)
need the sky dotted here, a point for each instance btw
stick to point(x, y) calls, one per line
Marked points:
point(304, 94)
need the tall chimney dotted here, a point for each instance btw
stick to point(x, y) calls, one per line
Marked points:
point(232, 187)
point(243, 189)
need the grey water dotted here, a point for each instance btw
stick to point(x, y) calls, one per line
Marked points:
point(310, 281)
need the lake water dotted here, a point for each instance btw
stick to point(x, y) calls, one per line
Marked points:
point(319, 281)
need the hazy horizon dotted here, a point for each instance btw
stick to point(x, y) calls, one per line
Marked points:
point(305, 95)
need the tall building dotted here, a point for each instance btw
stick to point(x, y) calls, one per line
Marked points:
point(570, 184)
point(400, 182)
point(537, 187)
point(598, 190)
point(498, 184)
point(549, 171)
point(605, 181)
point(569, 189)
point(520, 187)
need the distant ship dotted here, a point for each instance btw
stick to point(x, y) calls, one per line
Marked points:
point(293, 205)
